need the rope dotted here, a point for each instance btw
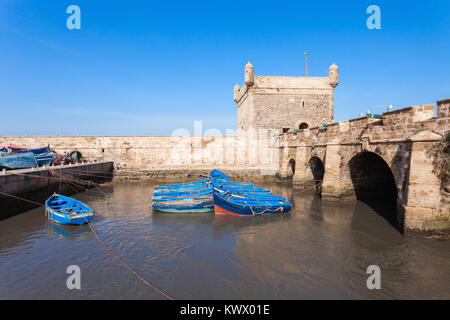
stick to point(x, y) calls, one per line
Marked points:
point(125, 264)
point(104, 244)
point(262, 212)
point(10, 195)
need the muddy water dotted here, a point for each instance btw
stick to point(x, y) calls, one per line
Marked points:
point(318, 250)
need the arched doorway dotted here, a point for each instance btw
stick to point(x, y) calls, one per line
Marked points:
point(76, 156)
point(292, 166)
point(374, 184)
point(318, 171)
point(303, 125)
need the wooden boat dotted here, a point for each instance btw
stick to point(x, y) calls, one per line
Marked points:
point(185, 204)
point(218, 175)
point(66, 210)
point(250, 194)
point(35, 151)
point(12, 161)
point(189, 192)
point(186, 185)
point(226, 204)
point(45, 159)
point(9, 146)
point(186, 189)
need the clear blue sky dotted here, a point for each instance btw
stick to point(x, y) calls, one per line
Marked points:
point(150, 67)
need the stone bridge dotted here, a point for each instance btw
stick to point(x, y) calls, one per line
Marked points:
point(383, 162)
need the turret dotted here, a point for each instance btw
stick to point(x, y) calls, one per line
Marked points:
point(333, 75)
point(249, 76)
point(236, 92)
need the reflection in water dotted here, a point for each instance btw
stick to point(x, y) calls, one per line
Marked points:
point(318, 250)
point(71, 232)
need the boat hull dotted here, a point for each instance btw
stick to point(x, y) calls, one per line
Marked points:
point(204, 205)
point(57, 217)
point(12, 161)
point(45, 159)
point(66, 210)
point(222, 206)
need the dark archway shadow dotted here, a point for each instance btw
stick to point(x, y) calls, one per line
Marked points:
point(292, 165)
point(303, 125)
point(374, 185)
point(318, 171)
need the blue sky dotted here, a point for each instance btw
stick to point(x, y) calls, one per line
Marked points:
point(150, 67)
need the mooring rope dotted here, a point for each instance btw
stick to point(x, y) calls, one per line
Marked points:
point(19, 198)
point(125, 264)
point(104, 245)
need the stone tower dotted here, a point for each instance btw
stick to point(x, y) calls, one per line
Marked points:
point(279, 102)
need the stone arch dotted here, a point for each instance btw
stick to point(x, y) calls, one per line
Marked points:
point(317, 168)
point(303, 126)
point(291, 166)
point(76, 156)
point(374, 183)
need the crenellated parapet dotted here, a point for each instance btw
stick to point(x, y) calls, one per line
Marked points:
point(280, 102)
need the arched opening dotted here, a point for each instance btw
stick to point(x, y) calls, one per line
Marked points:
point(292, 166)
point(374, 184)
point(318, 171)
point(285, 130)
point(303, 125)
point(76, 156)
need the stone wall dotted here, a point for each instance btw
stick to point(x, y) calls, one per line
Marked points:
point(168, 155)
point(443, 108)
point(401, 139)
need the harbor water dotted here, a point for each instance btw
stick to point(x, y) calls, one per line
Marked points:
point(319, 250)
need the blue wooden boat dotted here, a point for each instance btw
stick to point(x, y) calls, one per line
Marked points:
point(187, 188)
point(35, 151)
point(218, 175)
point(185, 204)
point(66, 210)
point(226, 204)
point(45, 159)
point(250, 194)
point(243, 189)
point(190, 192)
point(185, 185)
point(12, 161)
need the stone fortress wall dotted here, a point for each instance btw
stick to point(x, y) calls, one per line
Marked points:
point(330, 155)
point(165, 156)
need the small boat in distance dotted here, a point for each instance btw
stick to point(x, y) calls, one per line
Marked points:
point(66, 210)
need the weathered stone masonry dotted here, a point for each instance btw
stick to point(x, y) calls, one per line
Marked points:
point(401, 138)
point(277, 102)
point(346, 160)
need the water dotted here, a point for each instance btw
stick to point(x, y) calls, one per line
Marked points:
point(318, 250)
